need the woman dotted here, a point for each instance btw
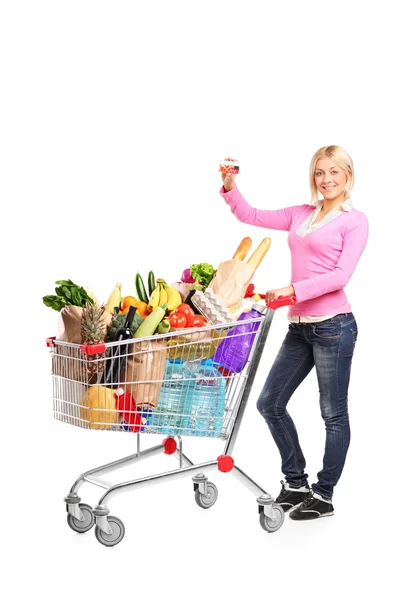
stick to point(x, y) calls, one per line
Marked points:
point(326, 239)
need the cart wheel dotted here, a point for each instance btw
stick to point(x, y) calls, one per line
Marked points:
point(86, 524)
point(114, 538)
point(208, 500)
point(268, 524)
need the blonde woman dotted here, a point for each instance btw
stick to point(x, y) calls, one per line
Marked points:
point(326, 239)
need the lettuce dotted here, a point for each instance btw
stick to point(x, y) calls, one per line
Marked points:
point(203, 274)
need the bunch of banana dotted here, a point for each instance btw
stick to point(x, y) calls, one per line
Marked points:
point(164, 293)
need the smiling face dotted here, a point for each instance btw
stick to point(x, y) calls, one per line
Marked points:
point(330, 179)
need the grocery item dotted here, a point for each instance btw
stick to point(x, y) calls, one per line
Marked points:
point(229, 166)
point(146, 415)
point(163, 293)
point(234, 351)
point(177, 320)
point(203, 274)
point(243, 249)
point(204, 414)
point(186, 276)
point(233, 277)
point(164, 326)
point(93, 331)
point(127, 407)
point(118, 320)
point(182, 288)
point(259, 253)
point(67, 294)
point(98, 407)
point(151, 282)
point(114, 299)
point(144, 370)
point(118, 354)
point(175, 395)
point(150, 324)
point(140, 289)
point(173, 296)
point(209, 305)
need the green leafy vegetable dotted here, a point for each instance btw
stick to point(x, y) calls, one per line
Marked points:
point(203, 274)
point(66, 294)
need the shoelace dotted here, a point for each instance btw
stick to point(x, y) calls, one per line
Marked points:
point(308, 499)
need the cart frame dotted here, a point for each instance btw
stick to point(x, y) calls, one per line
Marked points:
point(110, 530)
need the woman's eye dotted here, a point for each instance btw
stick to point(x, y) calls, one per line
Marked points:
point(318, 174)
point(334, 172)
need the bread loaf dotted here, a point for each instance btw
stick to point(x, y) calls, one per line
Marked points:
point(259, 253)
point(243, 249)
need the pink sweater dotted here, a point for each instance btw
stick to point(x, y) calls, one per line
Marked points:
point(322, 261)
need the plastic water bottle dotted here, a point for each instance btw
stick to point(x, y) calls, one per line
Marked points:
point(234, 351)
point(205, 415)
point(175, 394)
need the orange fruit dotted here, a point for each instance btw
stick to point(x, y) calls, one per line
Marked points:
point(128, 301)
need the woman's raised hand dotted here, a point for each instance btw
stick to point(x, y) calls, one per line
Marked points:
point(228, 179)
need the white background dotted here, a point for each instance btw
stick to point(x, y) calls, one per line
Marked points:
point(114, 116)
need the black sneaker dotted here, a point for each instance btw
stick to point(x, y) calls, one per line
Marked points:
point(290, 497)
point(313, 507)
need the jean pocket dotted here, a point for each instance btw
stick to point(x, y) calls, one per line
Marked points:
point(327, 331)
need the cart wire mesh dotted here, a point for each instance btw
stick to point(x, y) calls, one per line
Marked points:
point(169, 383)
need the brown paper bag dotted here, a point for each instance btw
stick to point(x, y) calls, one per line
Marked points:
point(231, 281)
point(144, 370)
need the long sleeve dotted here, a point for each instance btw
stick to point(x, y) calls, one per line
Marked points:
point(354, 242)
point(270, 219)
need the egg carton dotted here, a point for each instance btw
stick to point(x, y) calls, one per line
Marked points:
point(211, 307)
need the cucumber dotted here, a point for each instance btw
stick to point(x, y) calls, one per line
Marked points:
point(150, 324)
point(151, 283)
point(140, 289)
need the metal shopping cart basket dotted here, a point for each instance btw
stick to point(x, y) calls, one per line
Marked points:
point(183, 383)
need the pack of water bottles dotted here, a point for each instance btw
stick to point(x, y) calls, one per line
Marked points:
point(195, 396)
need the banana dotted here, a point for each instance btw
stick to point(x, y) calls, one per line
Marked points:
point(114, 299)
point(154, 299)
point(173, 297)
point(163, 294)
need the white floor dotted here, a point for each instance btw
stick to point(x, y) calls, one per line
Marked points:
point(172, 548)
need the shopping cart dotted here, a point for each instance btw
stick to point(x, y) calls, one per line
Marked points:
point(175, 384)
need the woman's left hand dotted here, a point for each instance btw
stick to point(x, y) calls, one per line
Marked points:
point(285, 291)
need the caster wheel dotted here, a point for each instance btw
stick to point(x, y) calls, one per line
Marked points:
point(208, 500)
point(86, 524)
point(268, 524)
point(114, 538)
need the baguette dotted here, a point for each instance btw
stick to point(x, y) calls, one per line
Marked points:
point(259, 253)
point(243, 249)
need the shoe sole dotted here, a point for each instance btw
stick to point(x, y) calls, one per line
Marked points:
point(315, 518)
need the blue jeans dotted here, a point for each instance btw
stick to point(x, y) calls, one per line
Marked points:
point(329, 345)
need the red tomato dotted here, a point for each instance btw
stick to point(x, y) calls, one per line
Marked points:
point(177, 320)
point(195, 321)
point(185, 309)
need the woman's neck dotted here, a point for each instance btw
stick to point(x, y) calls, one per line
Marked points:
point(328, 205)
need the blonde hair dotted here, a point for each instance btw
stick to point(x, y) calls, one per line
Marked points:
point(342, 159)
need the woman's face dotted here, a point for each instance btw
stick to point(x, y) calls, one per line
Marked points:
point(330, 179)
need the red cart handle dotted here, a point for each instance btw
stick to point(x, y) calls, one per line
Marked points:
point(281, 301)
